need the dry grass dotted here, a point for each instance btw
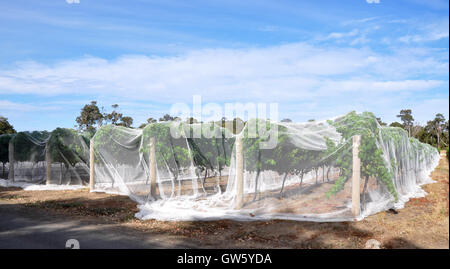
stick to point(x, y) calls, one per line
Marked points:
point(423, 223)
point(80, 203)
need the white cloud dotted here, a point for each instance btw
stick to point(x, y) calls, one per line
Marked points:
point(357, 36)
point(359, 21)
point(428, 32)
point(359, 40)
point(8, 106)
point(373, 1)
point(341, 35)
point(285, 73)
point(371, 86)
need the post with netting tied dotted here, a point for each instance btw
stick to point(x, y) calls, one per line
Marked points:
point(356, 177)
point(239, 174)
point(11, 161)
point(152, 160)
point(48, 164)
point(91, 164)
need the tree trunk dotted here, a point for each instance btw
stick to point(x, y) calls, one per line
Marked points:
point(257, 176)
point(301, 179)
point(198, 178)
point(328, 172)
point(218, 180)
point(204, 180)
point(61, 174)
point(438, 139)
point(179, 187)
point(173, 186)
point(323, 173)
point(317, 175)
point(282, 186)
point(256, 184)
point(32, 168)
point(364, 192)
point(3, 171)
point(172, 182)
point(67, 171)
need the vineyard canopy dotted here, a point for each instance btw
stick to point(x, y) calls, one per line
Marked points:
point(66, 150)
point(305, 175)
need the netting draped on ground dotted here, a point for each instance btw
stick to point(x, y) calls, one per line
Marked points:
point(180, 171)
point(300, 171)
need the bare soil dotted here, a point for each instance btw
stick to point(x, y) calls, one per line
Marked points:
point(423, 223)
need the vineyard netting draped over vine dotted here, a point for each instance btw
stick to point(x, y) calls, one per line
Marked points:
point(341, 169)
point(57, 158)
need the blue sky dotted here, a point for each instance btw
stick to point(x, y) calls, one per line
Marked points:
point(316, 59)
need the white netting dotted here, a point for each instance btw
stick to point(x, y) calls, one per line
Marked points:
point(54, 158)
point(300, 171)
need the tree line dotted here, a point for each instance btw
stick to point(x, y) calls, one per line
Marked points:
point(435, 132)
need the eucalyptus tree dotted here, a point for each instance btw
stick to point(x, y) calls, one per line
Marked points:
point(437, 126)
point(6, 127)
point(407, 119)
point(90, 117)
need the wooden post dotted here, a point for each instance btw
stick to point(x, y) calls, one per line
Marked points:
point(48, 163)
point(91, 165)
point(356, 177)
point(239, 174)
point(152, 160)
point(11, 161)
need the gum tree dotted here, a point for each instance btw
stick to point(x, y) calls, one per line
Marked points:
point(6, 127)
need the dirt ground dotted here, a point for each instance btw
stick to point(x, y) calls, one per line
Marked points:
point(423, 223)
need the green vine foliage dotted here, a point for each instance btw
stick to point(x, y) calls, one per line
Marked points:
point(4, 147)
point(30, 146)
point(87, 136)
point(212, 150)
point(67, 146)
point(211, 153)
point(427, 151)
point(371, 156)
point(286, 158)
point(112, 139)
point(4, 151)
point(257, 158)
point(171, 152)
